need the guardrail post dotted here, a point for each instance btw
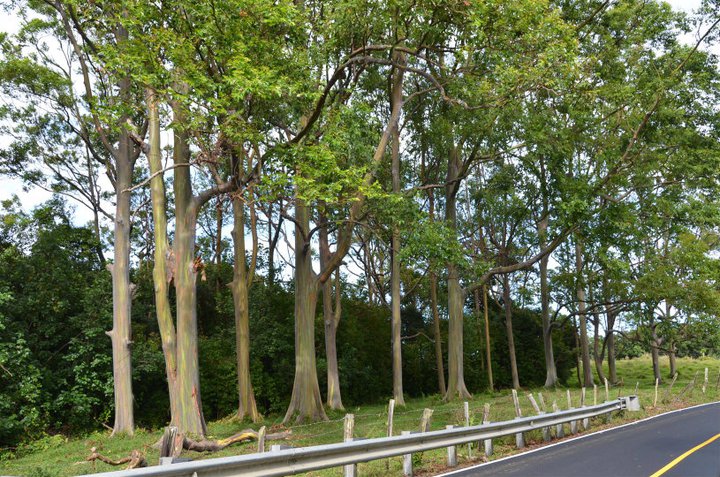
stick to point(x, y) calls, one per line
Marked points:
point(349, 470)
point(573, 424)
point(559, 431)
point(452, 452)
point(519, 438)
point(466, 410)
point(486, 420)
point(407, 460)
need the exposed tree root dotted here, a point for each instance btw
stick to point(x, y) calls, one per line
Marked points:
point(134, 460)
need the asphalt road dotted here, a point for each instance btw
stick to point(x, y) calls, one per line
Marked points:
point(646, 448)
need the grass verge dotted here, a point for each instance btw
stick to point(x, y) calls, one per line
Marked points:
point(58, 456)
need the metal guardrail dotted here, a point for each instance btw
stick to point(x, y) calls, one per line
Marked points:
point(305, 459)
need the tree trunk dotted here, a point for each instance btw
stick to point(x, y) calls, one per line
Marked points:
point(161, 275)
point(395, 270)
point(610, 317)
point(331, 318)
point(121, 334)
point(597, 352)
point(671, 356)
point(456, 299)
point(456, 377)
point(305, 401)
point(509, 330)
point(191, 419)
point(584, 342)
point(437, 335)
point(612, 370)
point(551, 377)
point(218, 242)
point(434, 306)
point(239, 286)
point(488, 356)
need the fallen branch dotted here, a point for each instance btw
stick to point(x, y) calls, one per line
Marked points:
point(206, 445)
point(134, 460)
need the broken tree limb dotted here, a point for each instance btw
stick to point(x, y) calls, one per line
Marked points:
point(134, 460)
point(206, 445)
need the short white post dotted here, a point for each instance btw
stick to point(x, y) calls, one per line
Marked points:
point(452, 452)
point(706, 381)
point(407, 459)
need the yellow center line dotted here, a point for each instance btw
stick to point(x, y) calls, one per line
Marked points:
point(677, 460)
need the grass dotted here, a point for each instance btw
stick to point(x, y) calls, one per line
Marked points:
point(59, 456)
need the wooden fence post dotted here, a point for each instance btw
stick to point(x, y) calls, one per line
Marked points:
point(349, 470)
point(657, 381)
point(542, 402)
point(391, 416)
point(586, 421)
point(407, 460)
point(261, 440)
point(669, 389)
point(536, 408)
point(425, 421)
point(573, 424)
point(594, 394)
point(559, 431)
point(466, 411)
point(452, 452)
point(486, 420)
point(519, 438)
point(391, 413)
point(607, 390)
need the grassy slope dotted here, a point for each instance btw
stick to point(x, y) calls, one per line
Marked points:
point(58, 456)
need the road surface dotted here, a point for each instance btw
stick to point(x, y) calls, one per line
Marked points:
point(684, 443)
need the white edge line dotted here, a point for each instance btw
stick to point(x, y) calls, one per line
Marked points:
point(565, 441)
